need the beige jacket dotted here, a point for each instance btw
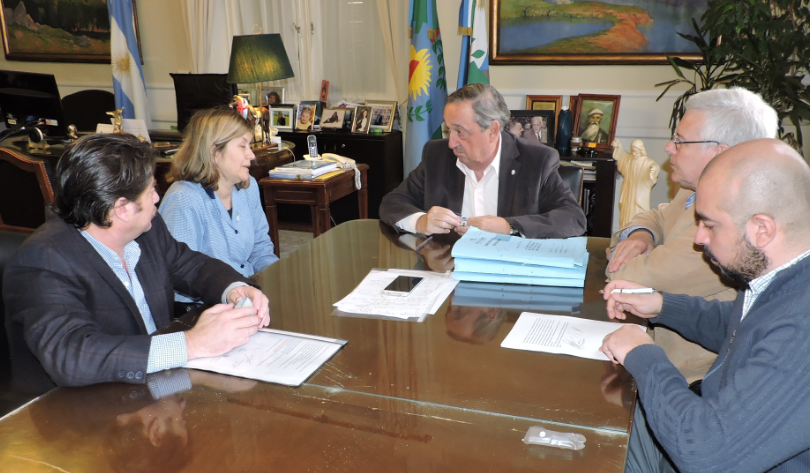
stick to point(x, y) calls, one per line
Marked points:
point(676, 265)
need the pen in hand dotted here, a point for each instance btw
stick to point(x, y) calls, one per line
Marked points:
point(634, 290)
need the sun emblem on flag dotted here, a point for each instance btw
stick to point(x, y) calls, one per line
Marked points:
point(419, 78)
point(121, 64)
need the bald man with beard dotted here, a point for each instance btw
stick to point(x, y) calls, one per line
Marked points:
point(753, 210)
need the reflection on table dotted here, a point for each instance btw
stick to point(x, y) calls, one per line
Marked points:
point(401, 396)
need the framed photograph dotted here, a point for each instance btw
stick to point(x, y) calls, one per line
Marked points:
point(605, 32)
point(347, 118)
point(282, 118)
point(272, 96)
point(362, 119)
point(545, 102)
point(315, 108)
point(63, 31)
point(333, 118)
point(536, 125)
point(382, 114)
point(595, 119)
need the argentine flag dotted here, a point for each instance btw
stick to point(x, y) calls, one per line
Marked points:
point(130, 88)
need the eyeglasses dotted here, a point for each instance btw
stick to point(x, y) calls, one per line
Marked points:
point(678, 142)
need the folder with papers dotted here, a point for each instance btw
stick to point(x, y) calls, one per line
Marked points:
point(511, 296)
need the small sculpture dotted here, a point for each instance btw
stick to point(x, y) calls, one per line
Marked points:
point(640, 174)
point(118, 120)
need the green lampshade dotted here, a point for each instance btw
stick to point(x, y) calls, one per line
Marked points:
point(258, 58)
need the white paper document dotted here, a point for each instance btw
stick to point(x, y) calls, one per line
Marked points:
point(273, 356)
point(426, 298)
point(561, 334)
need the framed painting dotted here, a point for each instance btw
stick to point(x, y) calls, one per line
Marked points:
point(58, 30)
point(592, 32)
point(536, 125)
point(545, 102)
point(595, 119)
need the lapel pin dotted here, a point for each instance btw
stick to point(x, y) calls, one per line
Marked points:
point(513, 172)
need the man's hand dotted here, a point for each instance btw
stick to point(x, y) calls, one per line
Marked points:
point(643, 305)
point(437, 220)
point(638, 243)
point(487, 223)
point(260, 302)
point(619, 343)
point(220, 329)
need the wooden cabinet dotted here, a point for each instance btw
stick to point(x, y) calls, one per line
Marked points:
point(382, 153)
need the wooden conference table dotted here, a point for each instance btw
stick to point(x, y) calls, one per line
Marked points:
point(400, 396)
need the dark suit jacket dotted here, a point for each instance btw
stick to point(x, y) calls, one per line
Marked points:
point(66, 307)
point(531, 195)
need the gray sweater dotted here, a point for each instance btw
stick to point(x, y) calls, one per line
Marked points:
point(754, 413)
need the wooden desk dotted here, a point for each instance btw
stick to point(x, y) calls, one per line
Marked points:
point(317, 194)
point(399, 397)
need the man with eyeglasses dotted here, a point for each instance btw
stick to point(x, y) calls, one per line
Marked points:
point(501, 183)
point(657, 249)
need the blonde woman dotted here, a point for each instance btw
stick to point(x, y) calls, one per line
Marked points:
point(213, 204)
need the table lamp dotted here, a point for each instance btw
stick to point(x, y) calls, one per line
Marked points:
point(258, 58)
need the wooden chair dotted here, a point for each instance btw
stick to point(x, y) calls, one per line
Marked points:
point(25, 191)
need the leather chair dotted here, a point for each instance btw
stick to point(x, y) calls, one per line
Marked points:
point(25, 191)
point(198, 92)
point(10, 398)
point(573, 175)
point(87, 108)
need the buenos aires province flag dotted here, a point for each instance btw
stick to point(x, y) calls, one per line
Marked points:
point(472, 26)
point(130, 88)
point(427, 86)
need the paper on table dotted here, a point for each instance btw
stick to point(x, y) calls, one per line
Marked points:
point(479, 244)
point(561, 334)
point(273, 356)
point(368, 297)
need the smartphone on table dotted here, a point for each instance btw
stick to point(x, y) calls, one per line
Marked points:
point(402, 286)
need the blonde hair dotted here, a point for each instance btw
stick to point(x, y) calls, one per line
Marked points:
point(208, 133)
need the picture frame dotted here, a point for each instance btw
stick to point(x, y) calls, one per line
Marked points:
point(382, 114)
point(317, 109)
point(87, 43)
point(361, 122)
point(347, 118)
point(532, 122)
point(545, 102)
point(333, 118)
point(282, 118)
point(572, 33)
point(272, 96)
point(587, 107)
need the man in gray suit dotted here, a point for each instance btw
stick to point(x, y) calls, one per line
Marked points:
point(503, 184)
point(87, 291)
point(538, 131)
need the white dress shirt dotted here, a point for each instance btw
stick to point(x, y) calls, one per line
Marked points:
point(480, 196)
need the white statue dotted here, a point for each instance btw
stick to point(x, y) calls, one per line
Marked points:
point(640, 174)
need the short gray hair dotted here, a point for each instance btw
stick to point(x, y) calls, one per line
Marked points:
point(733, 116)
point(487, 103)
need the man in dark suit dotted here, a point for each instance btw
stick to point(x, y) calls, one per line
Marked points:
point(503, 184)
point(538, 131)
point(87, 291)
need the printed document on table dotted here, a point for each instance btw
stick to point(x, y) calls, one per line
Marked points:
point(368, 298)
point(561, 334)
point(273, 356)
point(562, 253)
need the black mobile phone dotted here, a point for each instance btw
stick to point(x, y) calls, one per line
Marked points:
point(312, 143)
point(401, 286)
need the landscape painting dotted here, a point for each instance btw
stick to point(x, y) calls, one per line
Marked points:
point(592, 32)
point(57, 30)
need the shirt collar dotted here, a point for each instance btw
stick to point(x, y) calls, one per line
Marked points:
point(495, 164)
point(690, 201)
point(761, 283)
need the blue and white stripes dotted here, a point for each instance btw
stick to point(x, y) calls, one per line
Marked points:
point(130, 88)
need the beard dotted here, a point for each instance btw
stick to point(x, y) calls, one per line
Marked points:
point(591, 132)
point(748, 264)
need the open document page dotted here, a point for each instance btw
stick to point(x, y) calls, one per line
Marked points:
point(426, 298)
point(561, 334)
point(274, 356)
point(478, 244)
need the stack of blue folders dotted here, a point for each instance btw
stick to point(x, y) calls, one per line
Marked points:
point(491, 257)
